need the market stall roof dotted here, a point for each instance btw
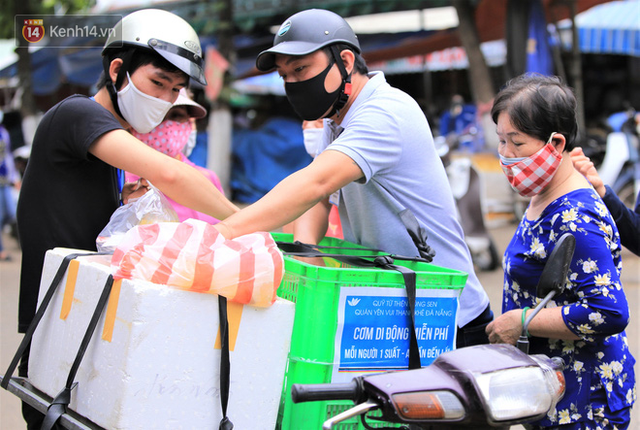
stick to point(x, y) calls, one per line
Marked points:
point(491, 18)
point(610, 28)
point(490, 21)
point(258, 15)
point(82, 67)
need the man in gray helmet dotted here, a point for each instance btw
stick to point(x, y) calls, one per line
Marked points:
point(379, 161)
point(82, 147)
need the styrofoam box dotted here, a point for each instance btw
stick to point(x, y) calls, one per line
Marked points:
point(160, 370)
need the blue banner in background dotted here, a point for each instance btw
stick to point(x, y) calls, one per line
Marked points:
point(539, 55)
point(373, 329)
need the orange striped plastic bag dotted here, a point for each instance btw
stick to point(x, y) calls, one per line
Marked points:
point(193, 256)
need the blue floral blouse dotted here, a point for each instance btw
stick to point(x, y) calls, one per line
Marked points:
point(594, 303)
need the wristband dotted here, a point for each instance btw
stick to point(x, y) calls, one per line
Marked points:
point(524, 317)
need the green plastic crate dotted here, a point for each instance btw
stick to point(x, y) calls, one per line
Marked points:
point(316, 291)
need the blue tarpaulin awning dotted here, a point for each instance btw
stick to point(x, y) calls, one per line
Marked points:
point(53, 66)
point(609, 28)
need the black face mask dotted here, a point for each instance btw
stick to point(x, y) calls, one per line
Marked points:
point(309, 98)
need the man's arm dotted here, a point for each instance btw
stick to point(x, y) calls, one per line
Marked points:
point(312, 225)
point(294, 195)
point(628, 221)
point(176, 179)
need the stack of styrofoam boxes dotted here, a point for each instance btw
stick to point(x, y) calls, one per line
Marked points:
point(160, 369)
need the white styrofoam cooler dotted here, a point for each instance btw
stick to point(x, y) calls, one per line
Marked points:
point(160, 369)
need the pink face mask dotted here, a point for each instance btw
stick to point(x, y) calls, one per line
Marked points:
point(528, 176)
point(169, 137)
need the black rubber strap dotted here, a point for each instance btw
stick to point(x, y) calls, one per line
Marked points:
point(297, 249)
point(410, 284)
point(26, 340)
point(381, 261)
point(343, 97)
point(112, 87)
point(57, 408)
point(225, 365)
point(59, 405)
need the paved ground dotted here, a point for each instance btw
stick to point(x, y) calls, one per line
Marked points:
point(10, 417)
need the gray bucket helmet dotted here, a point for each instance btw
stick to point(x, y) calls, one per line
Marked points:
point(306, 32)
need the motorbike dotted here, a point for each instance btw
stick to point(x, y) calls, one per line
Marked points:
point(484, 386)
point(464, 180)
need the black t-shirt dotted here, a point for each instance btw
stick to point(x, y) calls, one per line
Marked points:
point(67, 194)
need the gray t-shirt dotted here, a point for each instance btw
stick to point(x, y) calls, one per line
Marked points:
point(386, 133)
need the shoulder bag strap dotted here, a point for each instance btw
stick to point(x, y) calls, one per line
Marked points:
point(408, 218)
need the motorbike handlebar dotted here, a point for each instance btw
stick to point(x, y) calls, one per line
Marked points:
point(340, 391)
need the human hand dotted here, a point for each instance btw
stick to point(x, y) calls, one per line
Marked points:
point(314, 261)
point(318, 123)
point(133, 190)
point(585, 166)
point(506, 328)
point(224, 230)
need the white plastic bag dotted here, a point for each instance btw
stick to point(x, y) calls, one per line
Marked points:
point(150, 208)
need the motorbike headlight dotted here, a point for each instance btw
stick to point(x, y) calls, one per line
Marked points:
point(518, 393)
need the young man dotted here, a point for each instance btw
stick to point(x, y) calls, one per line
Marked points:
point(82, 145)
point(379, 159)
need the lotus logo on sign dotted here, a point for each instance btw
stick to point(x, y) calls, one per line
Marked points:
point(33, 30)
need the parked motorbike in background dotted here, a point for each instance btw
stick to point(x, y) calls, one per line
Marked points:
point(477, 387)
point(617, 156)
point(465, 183)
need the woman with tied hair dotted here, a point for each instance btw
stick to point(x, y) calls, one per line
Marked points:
point(537, 127)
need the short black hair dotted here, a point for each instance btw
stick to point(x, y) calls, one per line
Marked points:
point(359, 64)
point(539, 105)
point(139, 58)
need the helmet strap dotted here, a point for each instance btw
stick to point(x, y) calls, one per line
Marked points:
point(345, 88)
point(111, 87)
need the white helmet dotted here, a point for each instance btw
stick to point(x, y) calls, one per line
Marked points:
point(163, 32)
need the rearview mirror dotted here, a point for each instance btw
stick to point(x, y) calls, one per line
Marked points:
point(557, 267)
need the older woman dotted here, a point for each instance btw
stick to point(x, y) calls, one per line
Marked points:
point(536, 125)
